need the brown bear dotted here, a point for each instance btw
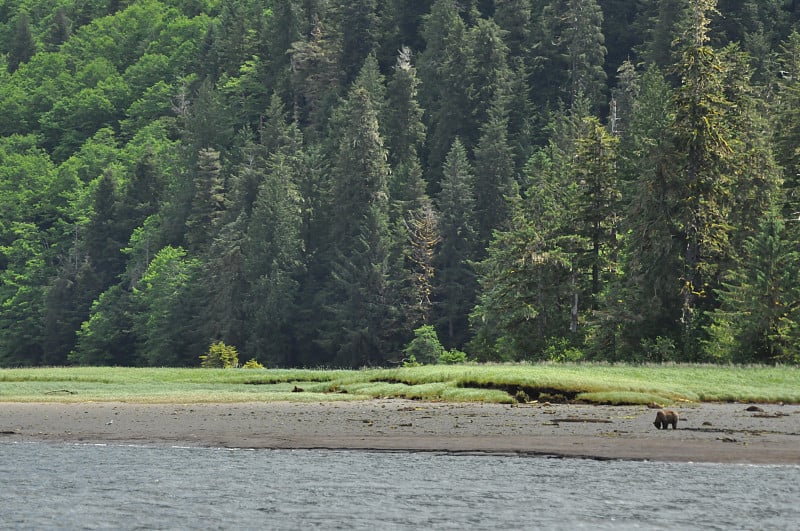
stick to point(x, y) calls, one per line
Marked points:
point(664, 418)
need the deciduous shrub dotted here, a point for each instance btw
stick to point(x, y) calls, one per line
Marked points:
point(252, 364)
point(220, 356)
point(452, 357)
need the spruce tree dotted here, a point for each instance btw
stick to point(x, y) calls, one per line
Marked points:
point(357, 296)
point(594, 169)
point(455, 279)
point(422, 229)
point(405, 130)
point(272, 262)
point(445, 85)
point(515, 18)
point(208, 201)
point(106, 337)
point(23, 47)
point(528, 280)
point(59, 31)
point(495, 181)
point(758, 319)
point(703, 176)
point(208, 121)
point(488, 72)
point(786, 109)
point(573, 52)
point(141, 195)
point(651, 249)
point(315, 76)
point(659, 22)
point(359, 25)
point(222, 286)
point(758, 180)
point(285, 27)
point(104, 237)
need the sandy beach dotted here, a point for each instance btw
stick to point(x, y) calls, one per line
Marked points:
point(708, 432)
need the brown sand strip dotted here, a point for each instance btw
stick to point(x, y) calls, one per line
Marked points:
point(723, 433)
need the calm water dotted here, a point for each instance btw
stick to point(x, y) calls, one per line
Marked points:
point(60, 486)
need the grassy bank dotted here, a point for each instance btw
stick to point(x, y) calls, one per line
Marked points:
point(594, 383)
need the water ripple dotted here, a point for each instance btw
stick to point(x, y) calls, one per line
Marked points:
point(61, 486)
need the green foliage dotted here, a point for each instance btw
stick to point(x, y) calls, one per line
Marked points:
point(454, 281)
point(252, 364)
point(452, 357)
point(660, 350)
point(425, 347)
point(411, 361)
point(759, 316)
point(311, 181)
point(164, 294)
point(221, 356)
point(559, 350)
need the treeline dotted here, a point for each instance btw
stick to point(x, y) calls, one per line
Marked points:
point(311, 181)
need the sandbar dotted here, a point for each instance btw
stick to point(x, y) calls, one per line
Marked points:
point(707, 432)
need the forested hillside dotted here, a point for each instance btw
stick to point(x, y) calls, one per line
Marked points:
point(312, 181)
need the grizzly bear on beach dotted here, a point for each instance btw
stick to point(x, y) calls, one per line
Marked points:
point(664, 418)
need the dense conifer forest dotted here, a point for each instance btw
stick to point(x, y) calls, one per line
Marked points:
point(320, 182)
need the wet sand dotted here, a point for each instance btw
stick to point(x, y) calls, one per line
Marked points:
point(708, 432)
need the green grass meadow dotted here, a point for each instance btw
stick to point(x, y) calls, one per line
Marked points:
point(501, 383)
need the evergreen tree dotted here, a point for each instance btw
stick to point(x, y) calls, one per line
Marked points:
point(703, 176)
point(528, 286)
point(272, 262)
point(106, 337)
point(495, 181)
point(222, 286)
point(455, 278)
point(60, 30)
point(488, 73)
point(757, 177)
point(208, 122)
point(445, 85)
point(412, 216)
point(104, 237)
point(23, 47)
point(620, 31)
point(405, 130)
point(370, 77)
point(359, 25)
point(623, 97)
point(598, 214)
point(759, 316)
point(208, 202)
point(659, 21)
point(650, 258)
point(358, 297)
point(573, 52)
point(142, 194)
point(515, 18)
point(315, 75)
point(423, 237)
point(401, 21)
point(234, 37)
point(786, 109)
point(285, 27)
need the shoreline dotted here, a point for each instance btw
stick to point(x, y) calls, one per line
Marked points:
point(707, 432)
